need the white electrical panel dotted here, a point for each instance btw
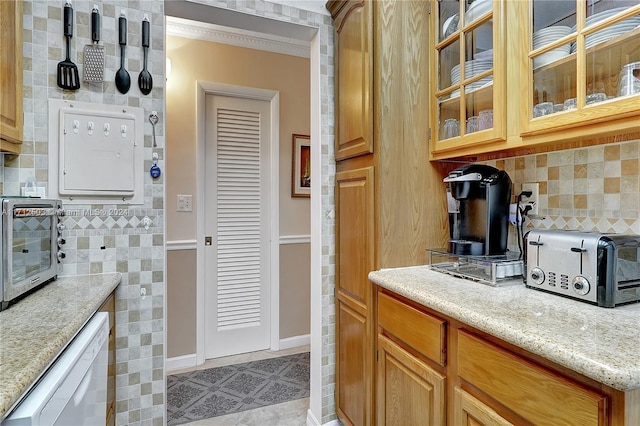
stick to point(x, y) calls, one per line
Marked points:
point(99, 152)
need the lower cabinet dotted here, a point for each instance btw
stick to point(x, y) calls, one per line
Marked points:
point(353, 365)
point(409, 391)
point(435, 370)
point(109, 306)
point(533, 392)
point(469, 411)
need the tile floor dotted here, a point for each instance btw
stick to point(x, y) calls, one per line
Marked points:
point(292, 413)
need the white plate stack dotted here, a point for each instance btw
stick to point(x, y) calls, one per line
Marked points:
point(547, 36)
point(471, 68)
point(610, 31)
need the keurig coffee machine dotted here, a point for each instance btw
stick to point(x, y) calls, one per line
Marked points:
point(482, 195)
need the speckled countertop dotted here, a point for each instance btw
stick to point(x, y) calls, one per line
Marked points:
point(34, 330)
point(600, 343)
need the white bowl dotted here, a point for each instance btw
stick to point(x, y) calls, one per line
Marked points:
point(477, 9)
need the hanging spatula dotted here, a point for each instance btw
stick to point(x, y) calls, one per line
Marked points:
point(68, 71)
point(94, 53)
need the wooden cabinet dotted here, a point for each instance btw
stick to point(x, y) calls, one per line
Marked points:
point(354, 260)
point(353, 41)
point(110, 307)
point(410, 393)
point(536, 394)
point(390, 202)
point(433, 370)
point(11, 111)
point(468, 411)
point(469, 74)
point(550, 72)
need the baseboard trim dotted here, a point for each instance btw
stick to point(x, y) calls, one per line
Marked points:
point(312, 421)
point(295, 341)
point(180, 362)
point(189, 361)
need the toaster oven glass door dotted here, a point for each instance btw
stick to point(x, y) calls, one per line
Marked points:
point(31, 243)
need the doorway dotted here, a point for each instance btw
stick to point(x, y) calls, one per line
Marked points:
point(237, 207)
point(207, 346)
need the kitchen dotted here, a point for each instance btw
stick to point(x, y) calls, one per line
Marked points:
point(138, 318)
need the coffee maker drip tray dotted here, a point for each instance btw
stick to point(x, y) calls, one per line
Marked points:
point(496, 271)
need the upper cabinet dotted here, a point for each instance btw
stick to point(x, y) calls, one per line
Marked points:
point(546, 71)
point(11, 113)
point(583, 67)
point(353, 22)
point(468, 74)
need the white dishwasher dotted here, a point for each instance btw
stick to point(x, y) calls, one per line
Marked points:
point(73, 391)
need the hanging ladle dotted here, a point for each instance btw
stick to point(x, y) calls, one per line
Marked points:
point(123, 80)
point(153, 119)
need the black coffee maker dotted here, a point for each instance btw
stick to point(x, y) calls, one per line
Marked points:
point(481, 194)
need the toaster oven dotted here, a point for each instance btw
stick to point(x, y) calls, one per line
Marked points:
point(598, 268)
point(29, 250)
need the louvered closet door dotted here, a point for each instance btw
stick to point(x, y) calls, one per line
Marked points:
point(237, 197)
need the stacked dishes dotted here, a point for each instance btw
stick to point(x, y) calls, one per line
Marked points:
point(547, 36)
point(610, 31)
point(471, 68)
point(477, 9)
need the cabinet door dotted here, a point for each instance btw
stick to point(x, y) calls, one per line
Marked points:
point(583, 68)
point(409, 391)
point(11, 117)
point(354, 234)
point(354, 261)
point(353, 41)
point(110, 307)
point(353, 365)
point(468, 74)
point(468, 411)
point(540, 396)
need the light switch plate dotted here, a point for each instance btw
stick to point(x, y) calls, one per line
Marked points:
point(185, 203)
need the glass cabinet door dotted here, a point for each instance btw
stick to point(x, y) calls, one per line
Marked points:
point(464, 69)
point(583, 55)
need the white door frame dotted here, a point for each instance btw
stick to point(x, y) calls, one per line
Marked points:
point(204, 88)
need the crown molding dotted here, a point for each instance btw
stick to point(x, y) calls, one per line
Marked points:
point(236, 37)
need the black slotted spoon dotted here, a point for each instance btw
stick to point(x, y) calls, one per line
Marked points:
point(145, 81)
point(68, 77)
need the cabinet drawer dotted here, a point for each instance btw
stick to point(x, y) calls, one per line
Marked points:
point(533, 392)
point(425, 333)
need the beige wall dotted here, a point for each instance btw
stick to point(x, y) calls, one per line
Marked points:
point(295, 300)
point(181, 298)
point(194, 60)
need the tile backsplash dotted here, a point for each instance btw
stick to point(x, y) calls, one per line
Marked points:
point(591, 189)
point(105, 238)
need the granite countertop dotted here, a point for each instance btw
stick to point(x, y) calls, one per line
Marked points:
point(36, 329)
point(600, 343)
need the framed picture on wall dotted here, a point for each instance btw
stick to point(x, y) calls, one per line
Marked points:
point(301, 166)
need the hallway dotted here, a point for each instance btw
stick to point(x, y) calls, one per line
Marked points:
point(291, 413)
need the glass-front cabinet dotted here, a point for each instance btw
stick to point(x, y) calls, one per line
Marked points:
point(469, 68)
point(583, 63)
point(513, 74)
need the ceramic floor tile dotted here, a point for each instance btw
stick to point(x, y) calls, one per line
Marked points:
point(292, 413)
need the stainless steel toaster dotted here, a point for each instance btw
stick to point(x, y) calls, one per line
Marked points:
point(598, 268)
